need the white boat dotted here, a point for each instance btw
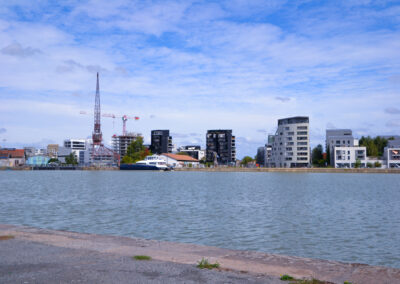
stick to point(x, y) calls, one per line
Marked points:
point(153, 162)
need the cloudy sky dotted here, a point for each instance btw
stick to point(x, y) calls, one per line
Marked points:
point(189, 66)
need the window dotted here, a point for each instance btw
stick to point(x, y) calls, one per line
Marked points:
point(302, 127)
point(302, 153)
point(301, 148)
point(302, 138)
point(289, 138)
point(302, 133)
point(301, 158)
point(302, 143)
point(348, 152)
point(288, 158)
point(290, 143)
point(287, 128)
point(288, 148)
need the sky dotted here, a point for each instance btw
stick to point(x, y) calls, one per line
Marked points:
point(189, 66)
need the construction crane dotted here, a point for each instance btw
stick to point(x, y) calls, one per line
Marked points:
point(113, 116)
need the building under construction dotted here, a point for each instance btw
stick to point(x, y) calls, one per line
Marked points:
point(99, 154)
point(121, 143)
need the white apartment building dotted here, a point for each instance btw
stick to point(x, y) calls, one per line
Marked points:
point(339, 138)
point(391, 153)
point(347, 157)
point(80, 148)
point(291, 143)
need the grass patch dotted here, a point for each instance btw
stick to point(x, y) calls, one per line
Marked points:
point(203, 263)
point(347, 282)
point(142, 257)
point(293, 280)
point(286, 277)
point(6, 237)
point(311, 281)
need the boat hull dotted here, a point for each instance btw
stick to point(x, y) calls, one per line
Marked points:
point(135, 167)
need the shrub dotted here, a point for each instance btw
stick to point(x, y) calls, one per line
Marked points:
point(203, 263)
point(142, 257)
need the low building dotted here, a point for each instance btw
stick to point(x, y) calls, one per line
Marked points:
point(11, 157)
point(391, 153)
point(52, 150)
point(179, 161)
point(37, 161)
point(193, 151)
point(62, 153)
point(347, 157)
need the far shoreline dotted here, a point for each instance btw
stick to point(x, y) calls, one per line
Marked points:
point(227, 169)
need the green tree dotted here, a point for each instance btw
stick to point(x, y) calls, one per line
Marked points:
point(316, 156)
point(71, 159)
point(374, 146)
point(328, 156)
point(137, 151)
point(126, 160)
point(53, 160)
point(357, 163)
point(377, 164)
point(246, 160)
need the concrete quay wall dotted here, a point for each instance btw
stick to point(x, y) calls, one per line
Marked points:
point(249, 263)
point(292, 170)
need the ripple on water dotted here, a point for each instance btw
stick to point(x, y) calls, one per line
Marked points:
point(347, 217)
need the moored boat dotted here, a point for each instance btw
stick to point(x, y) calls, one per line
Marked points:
point(150, 163)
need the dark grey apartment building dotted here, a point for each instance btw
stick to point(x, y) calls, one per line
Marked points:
point(221, 146)
point(161, 142)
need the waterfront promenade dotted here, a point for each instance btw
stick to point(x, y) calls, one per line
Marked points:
point(47, 256)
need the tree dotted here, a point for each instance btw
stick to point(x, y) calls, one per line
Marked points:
point(126, 160)
point(71, 159)
point(377, 164)
point(53, 160)
point(137, 151)
point(357, 163)
point(328, 155)
point(316, 156)
point(375, 146)
point(246, 160)
point(183, 153)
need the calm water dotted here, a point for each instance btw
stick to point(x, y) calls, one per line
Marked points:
point(348, 217)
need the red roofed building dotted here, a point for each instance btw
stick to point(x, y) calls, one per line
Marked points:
point(179, 161)
point(12, 157)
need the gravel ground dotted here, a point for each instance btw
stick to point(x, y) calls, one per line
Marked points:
point(24, 261)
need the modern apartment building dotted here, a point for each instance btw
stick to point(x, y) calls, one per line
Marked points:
point(391, 153)
point(291, 143)
point(80, 148)
point(120, 143)
point(221, 146)
point(348, 156)
point(338, 138)
point(161, 142)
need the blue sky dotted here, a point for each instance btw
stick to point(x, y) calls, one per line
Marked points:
point(189, 66)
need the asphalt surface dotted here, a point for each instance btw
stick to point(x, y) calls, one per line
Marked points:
point(24, 261)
